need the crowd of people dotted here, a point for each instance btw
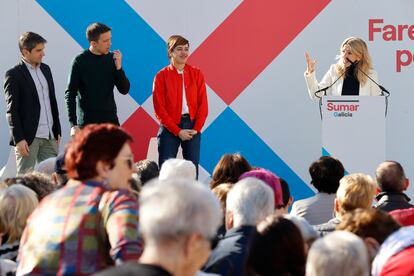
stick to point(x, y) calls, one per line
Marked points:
point(112, 216)
point(93, 210)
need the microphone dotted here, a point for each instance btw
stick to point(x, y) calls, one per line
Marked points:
point(380, 86)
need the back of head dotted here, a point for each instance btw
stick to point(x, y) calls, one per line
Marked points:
point(370, 222)
point(271, 180)
point(47, 166)
point(94, 31)
point(339, 253)
point(177, 207)
point(355, 191)
point(221, 192)
point(229, 169)
point(177, 168)
point(276, 249)
point(250, 201)
point(147, 170)
point(390, 177)
point(40, 183)
point(17, 202)
point(326, 173)
point(90, 145)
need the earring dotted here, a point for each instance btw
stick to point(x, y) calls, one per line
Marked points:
point(105, 183)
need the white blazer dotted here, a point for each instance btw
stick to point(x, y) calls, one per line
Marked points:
point(368, 89)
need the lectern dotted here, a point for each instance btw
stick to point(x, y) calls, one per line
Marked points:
point(353, 130)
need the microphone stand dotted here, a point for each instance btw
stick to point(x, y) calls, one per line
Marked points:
point(324, 92)
point(384, 92)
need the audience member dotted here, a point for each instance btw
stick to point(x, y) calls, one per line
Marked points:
point(325, 174)
point(391, 245)
point(59, 175)
point(229, 168)
point(46, 166)
point(177, 240)
point(92, 222)
point(371, 225)
point(17, 202)
point(277, 248)
point(392, 183)
point(272, 181)
point(178, 168)
point(287, 198)
point(404, 216)
point(40, 183)
point(248, 203)
point(340, 253)
point(355, 191)
point(221, 192)
point(147, 170)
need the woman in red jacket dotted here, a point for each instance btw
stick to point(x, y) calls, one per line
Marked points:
point(180, 104)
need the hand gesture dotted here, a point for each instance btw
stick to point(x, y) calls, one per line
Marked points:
point(185, 134)
point(310, 64)
point(23, 148)
point(118, 59)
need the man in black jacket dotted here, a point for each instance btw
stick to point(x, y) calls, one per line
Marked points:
point(31, 106)
point(392, 183)
point(94, 74)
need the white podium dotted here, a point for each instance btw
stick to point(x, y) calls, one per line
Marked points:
point(353, 130)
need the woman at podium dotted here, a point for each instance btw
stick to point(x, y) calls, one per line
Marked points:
point(346, 77)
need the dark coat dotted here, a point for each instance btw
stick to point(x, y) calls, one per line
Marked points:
point(23, 106)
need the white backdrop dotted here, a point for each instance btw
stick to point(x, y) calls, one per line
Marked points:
point(275, 105)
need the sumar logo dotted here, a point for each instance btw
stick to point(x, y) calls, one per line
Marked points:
point(342, 109)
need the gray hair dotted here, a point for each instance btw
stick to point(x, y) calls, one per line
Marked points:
point(250, 201)
point(177, 168)
point(177, 207)
point(338, 253)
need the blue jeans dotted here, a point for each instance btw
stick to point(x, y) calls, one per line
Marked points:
point(168, 144)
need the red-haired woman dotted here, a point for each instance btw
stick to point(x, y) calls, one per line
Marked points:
point(92, 222)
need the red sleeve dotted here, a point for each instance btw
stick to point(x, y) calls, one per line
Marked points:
point(158, 97)
point(202, 103)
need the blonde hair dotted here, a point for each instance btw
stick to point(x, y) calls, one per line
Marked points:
point(17, 202)
point(359, 48)
point(355, 191)
point(221, 191)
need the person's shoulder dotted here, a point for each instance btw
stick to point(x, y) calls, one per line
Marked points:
point(15, 69)
point(85, 54)
point(193, 69)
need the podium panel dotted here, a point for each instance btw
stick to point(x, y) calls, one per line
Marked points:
point(353, 130)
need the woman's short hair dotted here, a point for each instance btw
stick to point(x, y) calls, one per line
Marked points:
point(174, 41)
point(339, 253)
point(355, 191)
point(17, 202)
point(229, 169)
point(95, 142)
point(326, 173)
